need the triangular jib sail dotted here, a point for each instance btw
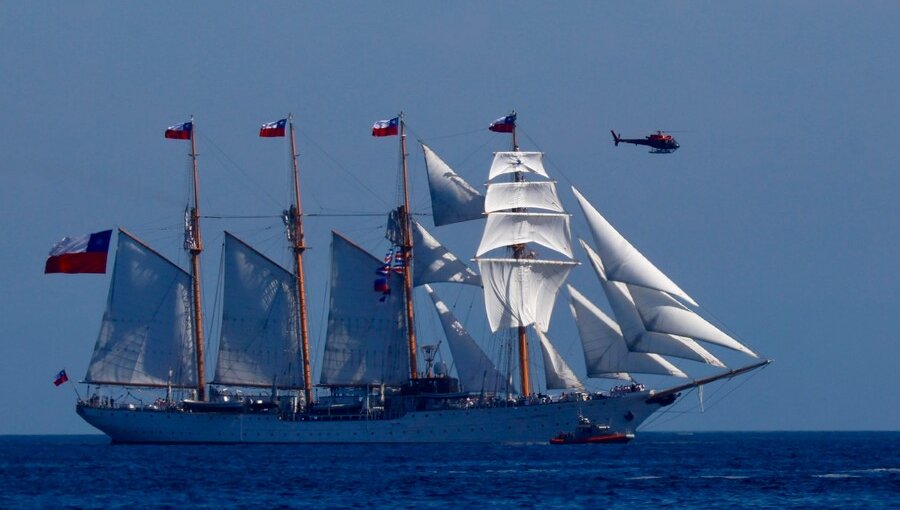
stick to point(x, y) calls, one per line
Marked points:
point(606, 354)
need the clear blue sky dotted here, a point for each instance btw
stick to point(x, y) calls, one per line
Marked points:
point(779, 213)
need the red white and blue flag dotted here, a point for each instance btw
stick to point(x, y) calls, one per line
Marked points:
point(273, 129)
point(504, 124)
point(399, 261)
point(60, 378)
point(386, 127)
point(180, 131)
point(80, 254)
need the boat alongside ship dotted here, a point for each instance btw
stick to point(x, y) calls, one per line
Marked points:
point(152, 337)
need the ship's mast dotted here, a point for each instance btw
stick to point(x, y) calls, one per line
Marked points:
point(194, 245)
point(519, 253)
point(295, 233)
point(406, 248)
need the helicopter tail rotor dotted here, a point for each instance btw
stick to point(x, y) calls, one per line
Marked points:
point(616, 137)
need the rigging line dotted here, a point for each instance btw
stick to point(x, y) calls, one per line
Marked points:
point(240, 169)
point(315, 144)
point(665, 413)
point(443, 137)
point(556, 169)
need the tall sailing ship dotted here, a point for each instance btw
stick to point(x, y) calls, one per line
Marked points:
point(372, 385)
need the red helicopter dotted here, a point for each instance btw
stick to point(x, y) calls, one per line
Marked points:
point(659, 142)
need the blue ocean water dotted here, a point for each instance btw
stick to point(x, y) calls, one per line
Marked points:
point(656, 470)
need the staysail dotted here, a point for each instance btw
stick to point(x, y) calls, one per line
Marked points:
point(559, 375)
point(622, 261)
point(259, 338)
point(606, 354)
point(635, 331)
point(476, 371)
point(366, 339)
point(452, 198)
point(146, 336)
point(433, 263)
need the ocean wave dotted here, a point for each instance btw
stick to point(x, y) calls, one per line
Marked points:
point(876, 470)
point(836, 475)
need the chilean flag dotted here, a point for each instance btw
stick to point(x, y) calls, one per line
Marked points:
point(386, 127)
point(180, 131)
point(273, 129)
point(82, 254)
point(504, 124)
point(60, 378)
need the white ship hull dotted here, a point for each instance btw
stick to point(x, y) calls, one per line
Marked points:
point(529, 423)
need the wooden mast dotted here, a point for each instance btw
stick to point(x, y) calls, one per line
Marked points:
point(194, 244)
point(519, 253)
point(295, 232)
point(406, 225)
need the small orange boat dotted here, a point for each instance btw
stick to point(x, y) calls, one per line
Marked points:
point(587, 432)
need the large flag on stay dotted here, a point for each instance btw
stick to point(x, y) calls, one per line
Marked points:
point(80, 254)
point(180, 131)
point(273, 129)
point(386, 127)
point(504, 124)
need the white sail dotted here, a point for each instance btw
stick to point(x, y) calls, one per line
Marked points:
point(521, 292)
point(433, 263)
point(259, 339)
point(510, 162)
point(511, 195)
point(452, 198)
point(476, 371)
point(366, 340)
point(636, 334)
point(559, 375)
point(146, 337)
point(622, 261)
point(547, 229)
point(605, 352)
point(664, 314)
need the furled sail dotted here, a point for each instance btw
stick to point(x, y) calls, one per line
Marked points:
point(259, 339)
point(521, 292)
point(433, 263)
point(547, 229)
point(509, 195)
point(511, 162)
point(476, 371)
point(662, 313)
point(146, 336)
point(559, 375)
point(605, 352)
point(622, 261)
point(366, 338)
point(452, 198)
point(636, 333)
